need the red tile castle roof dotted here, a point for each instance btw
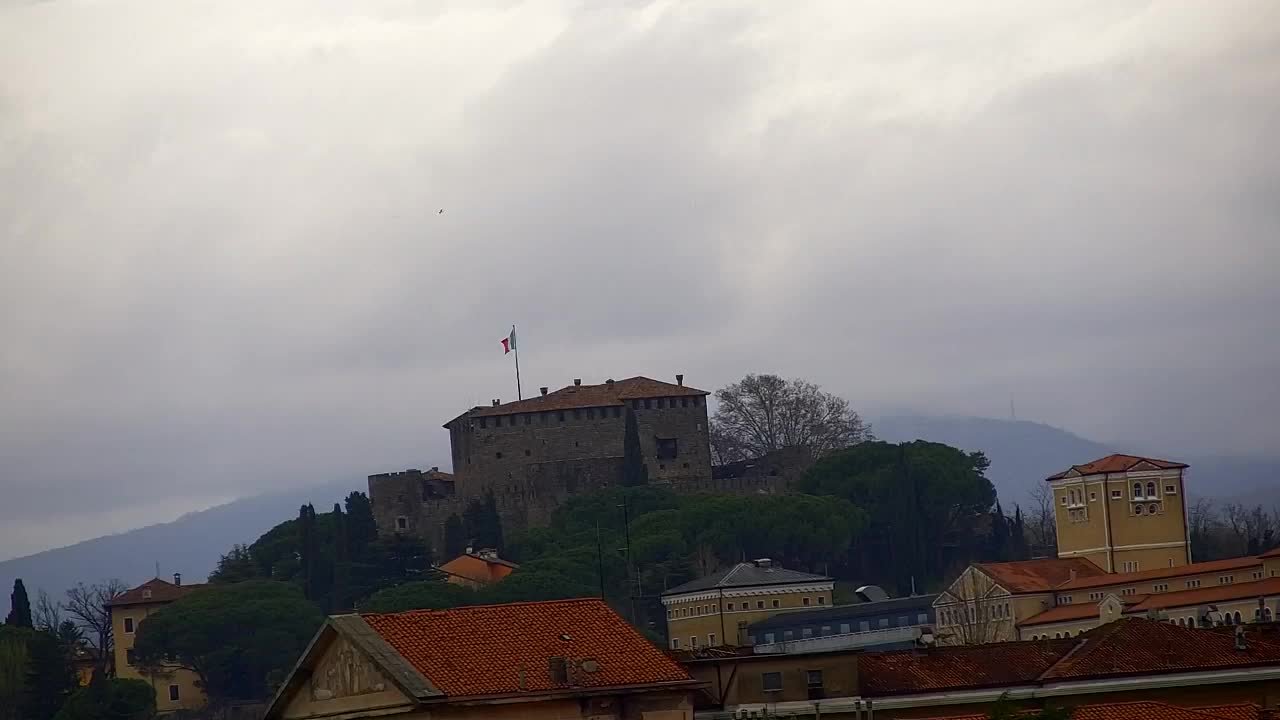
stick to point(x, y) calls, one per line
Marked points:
point(499, 649)
point(584, 396)
point(1039, 575)
point(1116, 464)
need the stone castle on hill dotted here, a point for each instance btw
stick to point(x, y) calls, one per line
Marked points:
point(534, 454)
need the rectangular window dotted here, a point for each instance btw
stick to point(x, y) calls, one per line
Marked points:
point(711, 639)
point(884, 622)
point(497, 422)
point(577, 414)
point(173, 693)
point(760, 604)
point(667, 448)
point(771, 682)
point(1093, 497)
point(130, 657)
point(922, 618)
point(528, 418)
point(788, 635)
point(662, 403)
point(684, 402)
point(498, 455)
point(1160, 587)
point(128, 624)
point(826, 630)
point(806, 632)
point(804, 601)
point(675, 643)
point(864, 625)
point(483, 422)
point(560, 416)
point(730, 606)
point(693, 641)
point(1226, 579)
point(902, 621)
point(635, 404)
point(1170, 489)
point(768, 637)
point(1257, 575)
point(813, 679)
point(402, 523)
point(1064, 499)
point(775, 604)
point(1095, 596)
point(1117, 494)
point(671, 614)
point(822, 600)
point(1193, 583)
point(844, 628)
point(617, 412)
point(648, 404)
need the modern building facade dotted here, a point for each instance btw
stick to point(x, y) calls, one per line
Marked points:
point(176, 688)
point(717, 609)
point(880, 624)
point(1123, 513)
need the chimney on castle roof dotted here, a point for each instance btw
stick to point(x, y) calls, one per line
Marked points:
point(543, 389)
point(609, 382)
point(496, 402)
point(177, 578)
point(577, 382)
point(680, 380)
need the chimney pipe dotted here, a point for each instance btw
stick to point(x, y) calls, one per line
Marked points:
point(177, 578)
point(577, 382)
point(680, 380)
point(609, 382)
point(543, 389)
point(496, 402)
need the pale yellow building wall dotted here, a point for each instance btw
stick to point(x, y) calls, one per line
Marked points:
point(1089, 520)
point(190, 696)
point(1271, 567)
point(993, 613)
point(1078, 518)
point(698, 615)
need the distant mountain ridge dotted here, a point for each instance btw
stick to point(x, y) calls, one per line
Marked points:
point(1024, 453)
point(190, 545)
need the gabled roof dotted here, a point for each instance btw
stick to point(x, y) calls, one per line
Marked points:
point(1202, 596)
point(160, 592)
point(1044, 575)
point(1116, 464)
point(1076, 611)
point(1211, 566)
point(1135, 646)
point(958, 667)
point(584, 396)
point(501, 649)
point(1145, 710)
point(479, 568)
point(747, 574)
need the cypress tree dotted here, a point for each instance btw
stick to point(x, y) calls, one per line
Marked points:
point(20, 614)
point(341, 561)
point(309, 550)
point(361, 527)
point(455, 538)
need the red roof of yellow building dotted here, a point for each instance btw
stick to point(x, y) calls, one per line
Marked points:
point(1217, 593)
point(1116, 464)
point(1211, 566)
point(499, 649)
point(153, 591)
point(1039, 575)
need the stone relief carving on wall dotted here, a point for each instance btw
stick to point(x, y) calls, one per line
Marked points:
point(344, 672)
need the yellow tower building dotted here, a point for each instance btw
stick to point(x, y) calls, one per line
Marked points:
point(1123, 513)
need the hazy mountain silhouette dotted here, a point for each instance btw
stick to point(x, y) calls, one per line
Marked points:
point(190, 545)
point(1023, 453)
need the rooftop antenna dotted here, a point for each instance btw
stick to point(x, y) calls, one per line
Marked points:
point(157, 568)
point(1013, 415)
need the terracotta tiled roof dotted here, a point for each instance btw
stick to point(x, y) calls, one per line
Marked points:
point(1038, 575)
point(1144, 710)
point(1212, 566)
point(1127, 647)
point(1135, 646)
point(584, 396)
point(1217, 593)
point(485, 650)
point(1077, 611)
point(479, 568)
point(160, 592)
point(958, 667)
point(1273, 552)
point(1116, 464)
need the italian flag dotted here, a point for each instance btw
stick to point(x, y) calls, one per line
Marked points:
point(509, 342)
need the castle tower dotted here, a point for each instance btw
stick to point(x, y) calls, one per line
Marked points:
point(1124, 513)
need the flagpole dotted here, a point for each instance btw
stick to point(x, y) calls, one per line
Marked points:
point(516, 349)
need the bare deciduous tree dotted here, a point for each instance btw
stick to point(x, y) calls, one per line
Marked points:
point(763, 413)
point(47, 614)
point(974, 611)
point(1041, 527)
point(87, 606)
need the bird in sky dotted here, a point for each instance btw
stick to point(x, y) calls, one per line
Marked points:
point(441, 211)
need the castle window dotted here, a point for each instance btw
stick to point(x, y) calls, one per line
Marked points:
point(731, 606)
point(684, 402)
point(822, 600)
point(482, 423)
point(667, 448)
point(497, 422)
point(617, 412)
point(662, 403)
point(498, 455)
point(402, 523)
point(760, 604)
point(528, 418)
point(697, 401)
point(577, 414)
point(527, 453)
point(1151, 489)
point(560, 416)
point(648, 404)
point(775, 604)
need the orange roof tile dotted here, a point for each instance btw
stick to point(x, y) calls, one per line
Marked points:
point(1116, 464)
point(1273, 552)
point(160, 591)
point(1038, 575)
point(1136, 646)
point(584, 396)
point(1211, 566)
point(958, 667)
point(479, 568)
point(484, 650)
point(1217, 593)
point(1077, 611)
point(1143, 710)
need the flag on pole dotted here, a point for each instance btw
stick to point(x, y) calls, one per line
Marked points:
point(509, 342)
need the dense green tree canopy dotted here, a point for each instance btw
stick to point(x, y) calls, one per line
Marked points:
point(36, 673)
point(238, 638)
point(111, 699)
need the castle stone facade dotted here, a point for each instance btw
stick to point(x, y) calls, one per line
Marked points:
point(534, 454)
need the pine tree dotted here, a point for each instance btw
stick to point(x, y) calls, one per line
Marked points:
point(998, 537)
point(634, 471)
point(1021, 548)
point(20, 614)
point(309, 550)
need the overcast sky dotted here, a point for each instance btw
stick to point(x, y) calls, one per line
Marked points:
point(223, 268)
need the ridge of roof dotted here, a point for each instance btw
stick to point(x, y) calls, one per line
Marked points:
point(1077, 611)
point(606, 394)
point(161, 591)
point(1040, 575)
point(751, 575)
point(1216, 593)
point(1160, 573)
point(1116, 463)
